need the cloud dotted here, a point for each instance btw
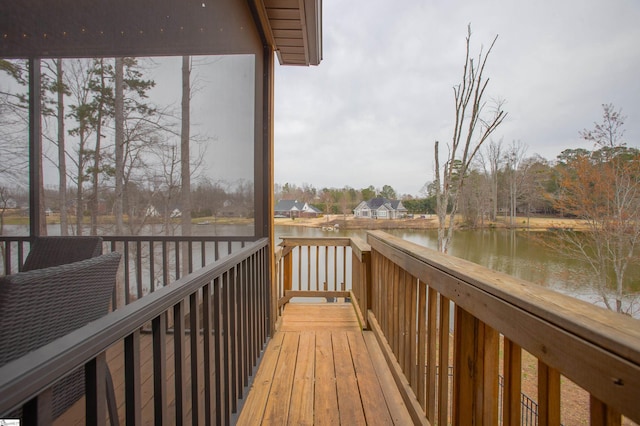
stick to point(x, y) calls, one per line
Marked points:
point(369, 114)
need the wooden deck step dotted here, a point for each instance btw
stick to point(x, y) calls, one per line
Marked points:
point(320, 368)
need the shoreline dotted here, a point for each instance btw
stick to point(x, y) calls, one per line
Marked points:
point(428, 222)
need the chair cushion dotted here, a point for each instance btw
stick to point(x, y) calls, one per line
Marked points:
point(53, 251)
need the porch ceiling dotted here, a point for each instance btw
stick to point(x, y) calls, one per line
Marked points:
point(295, 29)
point(100, 28)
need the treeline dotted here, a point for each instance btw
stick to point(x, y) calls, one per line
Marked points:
point(503, 181)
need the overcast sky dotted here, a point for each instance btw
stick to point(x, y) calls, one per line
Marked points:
point(370, 113)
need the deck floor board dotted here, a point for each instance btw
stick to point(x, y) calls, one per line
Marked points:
point(340, 374)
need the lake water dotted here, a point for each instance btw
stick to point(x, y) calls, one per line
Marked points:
point(508, 251)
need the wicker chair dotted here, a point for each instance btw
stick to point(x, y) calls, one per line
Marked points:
point(53, 251)
point(42, 305)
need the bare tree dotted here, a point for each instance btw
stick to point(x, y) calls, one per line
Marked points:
point(491, 161)
point(119, 144)
point(473, 126)
point(515, 172)
point(61, 90)
point(603, 190)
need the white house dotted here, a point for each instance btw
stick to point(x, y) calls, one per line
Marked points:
point(293, 208)
point(380, 208)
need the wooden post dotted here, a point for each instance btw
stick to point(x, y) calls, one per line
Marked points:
point(511, 405)
point(288, 272)
point(548, 395)
point(475, 382)
point(603, 415)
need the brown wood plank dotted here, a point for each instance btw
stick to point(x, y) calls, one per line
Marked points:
point(302, 394)
point(548, 395)
point(318, 317)
point(277, 409)
point(444, 337)
point(373, 401)
point(253, 409)
point(351, 411)
point(511, 406)
point(326, 397)
point(283, 13)
point(396, 406)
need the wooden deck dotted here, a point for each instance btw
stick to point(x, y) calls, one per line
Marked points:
point(321, 368)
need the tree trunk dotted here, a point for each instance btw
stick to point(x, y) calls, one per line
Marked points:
point(185, 169)
point(62, 158)
point(95, 175)
point(79, 201)
point(119, 145)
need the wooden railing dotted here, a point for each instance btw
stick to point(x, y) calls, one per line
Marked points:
point(149, 262)
point(432, 312)
point(326, 268)
point(227, 300)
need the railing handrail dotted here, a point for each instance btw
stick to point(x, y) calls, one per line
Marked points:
point(609, 330)
point(155, 238)
point(25, 377)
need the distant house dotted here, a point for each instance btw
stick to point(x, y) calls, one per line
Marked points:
point(293, 208)
point(151, 211)
point(234, 208)
point(380, 208)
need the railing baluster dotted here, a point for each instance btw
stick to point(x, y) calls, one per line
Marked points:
point(548, 395)
point(511, 405)
point(139, 268)
point(233, 336)
point(180, 381)
point(39, 410)
point(431, 355)
point(133, 413)
point(413, 338)
point(152, 267)
point(159, 330)
point(218, 346)
point(335, 268)
point(443, 358)
point(226, 350)
point(423, 392)
point(176, 251)
point(194, 324)
point(299, 256)
point(209, 361)
point(603, 415)
point(403, 322)
point(95, 386)
point(310, 287)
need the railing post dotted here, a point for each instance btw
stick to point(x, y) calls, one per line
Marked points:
point(475, 379)
point(548, 395)
point(287, 279)
point(366, 284)
point(603, 415)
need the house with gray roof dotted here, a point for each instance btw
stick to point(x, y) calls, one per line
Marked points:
point(380, 208)
point(293, 208)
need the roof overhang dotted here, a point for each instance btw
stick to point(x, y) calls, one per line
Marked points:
point(104, 28)
point(294, 28)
